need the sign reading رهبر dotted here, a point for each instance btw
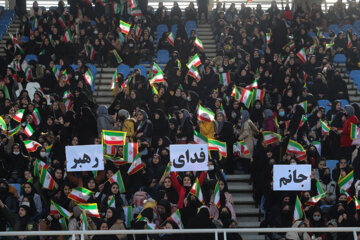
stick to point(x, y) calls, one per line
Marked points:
point(84, 158)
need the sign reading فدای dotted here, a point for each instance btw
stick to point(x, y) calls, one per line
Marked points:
point(189, 157)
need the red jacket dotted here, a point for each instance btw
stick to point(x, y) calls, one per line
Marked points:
point(181, 190)
point(345, 136)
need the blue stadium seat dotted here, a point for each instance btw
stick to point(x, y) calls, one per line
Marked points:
point(344, 102)
point(331, 164)
point(340, 58)
point(174, 29)
point(30, 57)
point(312, 34)
point(74, 67)
point(335, 28)
point(142, 69)
point(190, 24)
point(42, 8)
point(347, 27)
point(163, 56)
point(93, 23)
point(24, 39)
point(357, 25)
point(326, 35)
point(17, 186)
point(354, 74)
point(160, 29)
point(325, 104)
point(52, 8)
point(124, 69)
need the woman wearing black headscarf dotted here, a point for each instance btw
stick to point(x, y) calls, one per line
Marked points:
point(201, 221)
point(185, 130)
point(86, 126)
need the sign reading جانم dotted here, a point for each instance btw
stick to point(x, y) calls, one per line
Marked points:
point(292, 177)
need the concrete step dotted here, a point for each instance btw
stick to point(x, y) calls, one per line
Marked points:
point(247, 224)
point(104, 93)
point(238, 177)
point(246, 210)
point(102, 87)
point(242, 198)
point(239, 187)
point(252, 236)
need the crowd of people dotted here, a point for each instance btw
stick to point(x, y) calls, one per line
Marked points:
point(267, 77)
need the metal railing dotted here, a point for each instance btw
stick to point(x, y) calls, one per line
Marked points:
point(215, 231)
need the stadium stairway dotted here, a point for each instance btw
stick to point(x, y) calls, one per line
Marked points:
point(354, 93)
point(15, 25)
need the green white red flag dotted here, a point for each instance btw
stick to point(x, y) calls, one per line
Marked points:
point(194, 72)
point(113, 137)
point(80, 194)
point(346, 181)
point(176, 218)
point(31, 145)
point(91, 209)
point(199, 138)
point(171, 38)
point(89, 77)
point(236, 93)
point(314, 200)
point(217, 195)
point(205, 114)
point(354, 131)
point(246, 97)
point(225, 79)
point(298, 210)
point(46, 179)
point(19, 115)
point(29, 131)
point(199, 44)
point(271, 137)
point(157, 78)
point(62, 211)
point(36, 116)
point(195, 61)
point(302, 55)
point(125, 27)
point(136, 166)
point(130, 151)
point(324, 127)
point(196, 191)
point(217, 146)
point(128, 216)
point(118, 179)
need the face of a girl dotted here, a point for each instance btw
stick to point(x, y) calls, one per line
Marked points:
point(67, 190)
point(91, 184)
point(221, 185)
point(22, 212)
point(109, 214)
point(187, 181)
point(167, 183)
point(58, 174)
point(114, 189)
point(27, 188)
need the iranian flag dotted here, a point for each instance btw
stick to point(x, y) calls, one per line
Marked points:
point(116, 8)
point(155, 69)
point(67, 94)
point(297, 149)
point(133, 3)
point(130, 151)
point(124, 27)
point(217, 195)
point(176, 218)
point(83, 220)
point(199, 44)
point(14, 131)
point(19, 115)
point(317, 145)
point(138, 32)
point(303, 105)
point(258, 94)
point(31, 145)
point(37, 167)
point(46, 179)
point(217, 146)
point(117, 161)
point(324, 127)
point(199, 138)
point(302, 121)
point(68, 36)
point(171, 38)
point(246, 97)
point(349, 43)
point(298, 210)
point(157, 78)
point(253, 85)
point(314, 200)
point(196, 191)
point(348, 198)
point(205, 114)
point(63, 212)
point(36, 116)
point(302, 55)
point(118, 179)
point(68, 103)
point(347, 181)
point(319, 189)
point(271, 137)
point(29, 131)
point(354, 131)
point(89, 77)
point(225, 79)
point(113, 137)
point(136, 166)
point(80, 194)
point(167, 170)
point(128, 216)
point(241, 148)
point(357, 203)
point(268, 38)
point(195, 61)
point(117, 56)
point(136, 12)
point(194, 73)
point(92, 53)
point(3, 124)
point(114, 80)
point(91, 209)
point(236, 93)
point(13, 39)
